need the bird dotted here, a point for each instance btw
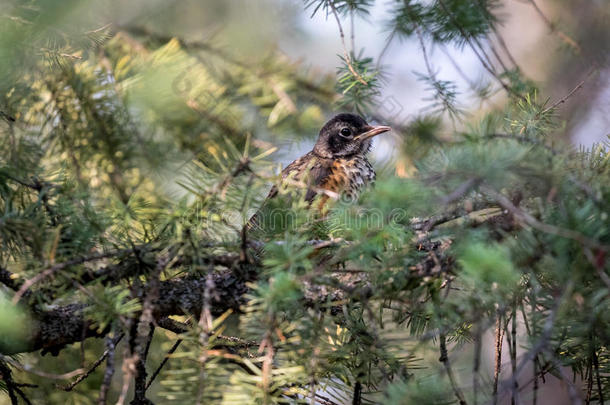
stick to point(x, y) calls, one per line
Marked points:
point(337, 166)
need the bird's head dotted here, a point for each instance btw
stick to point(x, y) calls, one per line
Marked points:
point(346, 135)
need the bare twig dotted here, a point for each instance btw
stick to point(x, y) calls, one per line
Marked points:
point(541, 226)
point(498, 357)
point(570, 94)
point(205, 325)
point(352, 30)
point(505, 47)
point(575, 398)
point(165, 359)
point(95, 365)
point(461, 190)
point(600, 392)
point(29, 369)
point(542, 342)
point(477, 363)
point(485, 63)
point(127, 372)
point(535, 390)
point(589, 377)
point(458, 69)
point(60, 266)
point(145, 330)
point(553, 28)
point(445, 360)
point(346, 54)
point(385, 48)
point(513, 356)
point(110, 347)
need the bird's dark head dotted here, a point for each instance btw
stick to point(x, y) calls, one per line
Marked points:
point(346, 135)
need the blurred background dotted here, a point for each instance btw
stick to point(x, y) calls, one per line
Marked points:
point(554, 42)
point(253, 30)
point(193, 72)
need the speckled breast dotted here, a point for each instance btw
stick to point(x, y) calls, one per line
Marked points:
point(349, 176)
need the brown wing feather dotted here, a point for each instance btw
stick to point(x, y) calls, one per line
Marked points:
point(319, 170)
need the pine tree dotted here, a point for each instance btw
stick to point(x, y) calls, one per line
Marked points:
point(132, 160)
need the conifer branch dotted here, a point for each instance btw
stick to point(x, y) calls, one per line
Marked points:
point(477, 51)
point(570, 94)
point(61, 266)
point(546, 228)
point(444, 358)
point(553, 28)
point(94, 366)
point(346, 53)
point(109, 372)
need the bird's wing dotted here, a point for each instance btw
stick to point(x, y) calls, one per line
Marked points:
point(312, 166)
point(317, 171)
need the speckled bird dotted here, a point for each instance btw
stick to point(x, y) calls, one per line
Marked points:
point(337, 164)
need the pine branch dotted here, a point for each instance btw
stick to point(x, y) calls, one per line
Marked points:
point(497, 357)
point(570, 94)
point(109, 372)
point(445, 360)
point(346, 53)
point(163, 362)
point(477, 52)
point(61, 266)
point(94, 366)
point(546, 228)
point(553, 28)
point(180, 296)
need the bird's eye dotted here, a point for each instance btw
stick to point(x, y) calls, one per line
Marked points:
point(345, 132)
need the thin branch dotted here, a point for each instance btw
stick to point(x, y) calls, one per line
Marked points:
point(570, 94)
point(352, 30)
point(348, 59)
point(95, 365)
point(600, 391)
point(461, 190)
point(535, 390)
point(477, 363)
point(553, 28)
point(269, 350)
point(542, 341)
point(491, 46)
point(589, 377)
point(541, 226)
point(445, 360)
point(457, 68)
point(513, 356)
point(487, 67)
point(105, 387)
point(205, 326)
point(505, 47)
point(29, 369)
point(165, 359)
point(60, 266)
point(498, 357)
point(385, 48)
point(572, 390)
point(425, 53)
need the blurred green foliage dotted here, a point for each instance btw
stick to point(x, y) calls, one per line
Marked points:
point(134, 154)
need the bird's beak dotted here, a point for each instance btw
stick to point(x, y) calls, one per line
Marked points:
point(374, 131)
